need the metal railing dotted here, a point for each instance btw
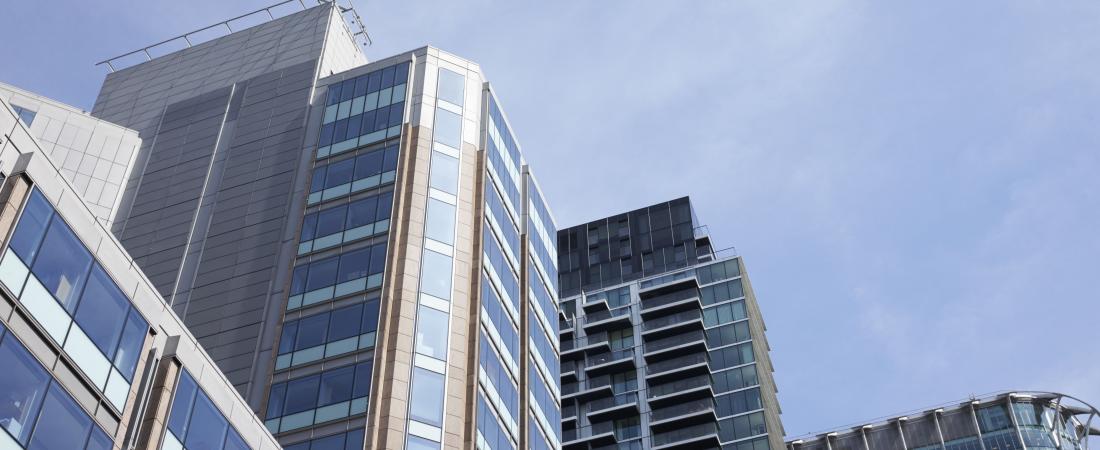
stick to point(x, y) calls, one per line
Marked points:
point(683, 434)
point(613, 401)
point(675, 341)
point(675, 363)
point(681, 409)
point(192, 38)
point(669, 298)
point(606, 357)
point(662, 390)
point(680, 317)
point(600, 316)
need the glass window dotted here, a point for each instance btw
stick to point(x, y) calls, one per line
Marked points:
point(62, 263)
point(426, 400)
point(362, 212)
point(368, 164)
point(345, 322)
point(397, 113)
point(309, 227)
point(331, 220)
point(435, 276)
point(362, 379)
point(417, 443)
point(275, 401)
point(129, 347)
point(100, 441)
point(286, 341)
point(101, 306)
point(181, 405)
point(234, 441)
point(335, 442)
point(355, 437)
point(431, 333)
point(22, 390)
point(451, 86)
point(385, 204)
point(440, 221)
point(298, 279)
point(339, 173)
point(301, 394)
point(381, 119)
point(32, 226)
point(370, 316)
point(327, 131)
point(322, 274)
point(62, 424)
point(387, 76)
point(377, 258)
point(444, 173)
point(448, 128)
point(311, 331)
point(389, 163)
point(26, 115)
point(208, 426)
point(336, 386)
point(354, 264)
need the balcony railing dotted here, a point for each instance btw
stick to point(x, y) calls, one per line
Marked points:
point(688, 384)
point(607, 357)
point(685, 434)
point(680, 317)
point(681, 409)
point(669, 298)
point(675, 341)
point(600, 316)
point(585, 385)
point(676, 363)
point(613, 401)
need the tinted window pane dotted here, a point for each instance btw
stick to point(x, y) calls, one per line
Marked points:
point(309, 227)
point(390, 161)
point(317, 183)
point(426, 399)
point(328, 443)
point(377, 258)
point(298, 279)
point(451, 86)
point(331, 220)
point(336, 386)
point(448, 128)
point(354, 264)
point(401, 74)
point(416, 443)
point(385, 204)
point(368, 164)
point(362, 212)
point(181, 405)
point(370, 316)
point(62, 424)
point(436, 275)
point(339, 173)
point(431, 333)
point(101, 307)
point(355, 440)
point(362, 379)
point(301, 394)
point(444, 173)
point(234, 441)
point(397, 113)
point(345, 322)
point(275, 401)
point(99, 440)
point(62, 264)
point(207, 428)
point(311, 331)
point(23, 387)
point(322, 274)
point(440, 221)
point(286, 341)
point(129, 347)
point(32, 226)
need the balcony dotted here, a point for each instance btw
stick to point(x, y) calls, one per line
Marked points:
point(678, 368)
point(613, 407)
point(569, 413)
point(682, 414)
point(598, 434)
point(613, 361)
point(587, 389)
point(568, 371)
point(595, 304)
point(677, 323)
point(672, 298)
point(704, 435)
point(691, 342)
point(606, 320)
point(677, 391)
point(566, 327)
point(578, 347)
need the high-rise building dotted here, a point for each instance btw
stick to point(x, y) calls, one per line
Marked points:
point(1004, 421)
point(91, 357)
point(360, 246)
point(94, 155)
point(662, 341)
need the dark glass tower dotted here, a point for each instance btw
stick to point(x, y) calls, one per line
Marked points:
point(662, 342)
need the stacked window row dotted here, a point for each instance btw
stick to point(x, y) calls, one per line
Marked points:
point(346, 223)
point(491, 436)
point(500, 221)
point(195, 423)
point(500, 269)
point(330, 395)
point(503, 158)
point(328, 334)
point(544, 235)
point(364, 110)
point(369, 169)
point(543, 353)
point(501, 321)
point(337, 276)
point(545, 400)
point(35, 411)
point(500, 379)
point(71, 295)
point(428, 388)
point(544, 303)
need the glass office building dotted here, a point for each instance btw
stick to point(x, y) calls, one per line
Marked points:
point(91, 356)
point(1005, 421)
point(359, 245)
point(662, 341)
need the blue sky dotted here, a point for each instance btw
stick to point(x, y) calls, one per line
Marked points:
point(913, 185)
